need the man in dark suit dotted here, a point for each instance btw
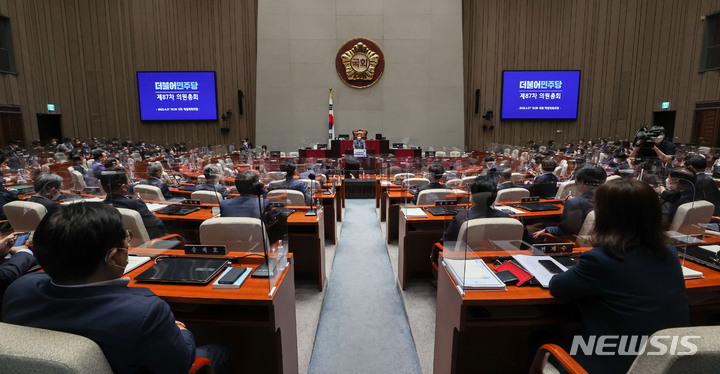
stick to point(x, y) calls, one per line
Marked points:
point(705, 188)
point(114, 181)
point(212, 176)
point(679, 189)
point(288, 166)
point(47, 188)
point(155, 171)
point(545, 185)
point(13, 160)
point(83, 250)
point(434, 173)
point(11, 269)
point(246, 205)
point(587, 179)
point(504, 177)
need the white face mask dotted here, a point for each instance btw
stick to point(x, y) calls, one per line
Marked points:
point(670, 184)
point(659, 139)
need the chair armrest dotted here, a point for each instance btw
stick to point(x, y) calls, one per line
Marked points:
point(201, 365)
point(563, 357)
point(152, 243)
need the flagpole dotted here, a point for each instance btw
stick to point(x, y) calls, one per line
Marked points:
point(331, 120)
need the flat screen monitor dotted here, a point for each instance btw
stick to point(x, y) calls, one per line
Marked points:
point(344, 136)
point(322, 146)
point(540, 94)
point(177, 95)
point(430, 154)
point(397, 145)
point(378, 137)
point(274, 153)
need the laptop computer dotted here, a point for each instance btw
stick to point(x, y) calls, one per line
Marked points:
point(537, 207)
point(444, 210)
point(183, 270)
point(177, 210)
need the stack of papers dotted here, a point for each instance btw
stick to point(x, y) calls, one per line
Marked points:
point(413, 212)
point(134, 262)
point(508, 209)
point(473, 274)
point(691, 274)
point(532, 264)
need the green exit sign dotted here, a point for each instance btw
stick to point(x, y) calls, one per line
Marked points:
point(665, 105)
point(51, 107)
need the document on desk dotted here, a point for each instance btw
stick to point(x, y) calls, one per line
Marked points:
point(88, 200)
point(473, 274)
point(155, 206)
point(508, 209)
point(711, 248)
point(413, 212)
point(535, 267)
point(134, 262)
point(691, 274)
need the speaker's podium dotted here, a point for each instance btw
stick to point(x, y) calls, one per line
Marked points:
point(338, 148)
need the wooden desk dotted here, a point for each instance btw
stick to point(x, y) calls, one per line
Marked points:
point(306, 238)
point(467, 338)
point(332, 213)
point(416, 237)
point(260, 330)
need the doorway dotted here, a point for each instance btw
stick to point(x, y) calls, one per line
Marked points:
point(49, 127)
point(666, 119)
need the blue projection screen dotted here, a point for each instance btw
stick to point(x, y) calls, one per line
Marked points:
point(542, 94)
point(173, 96)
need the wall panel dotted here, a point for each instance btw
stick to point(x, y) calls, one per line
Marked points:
point(82, 56)
point(633, 55)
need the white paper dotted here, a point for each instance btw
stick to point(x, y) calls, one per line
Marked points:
point(712, 248)
point(155, 206)
point(532, 264)
point(474, 274)
point(88, 200)
point(691, 274)
point(509, 209)
point(414, 212)
point(134, 262)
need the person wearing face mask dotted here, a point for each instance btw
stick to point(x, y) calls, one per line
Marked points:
point(679, 189)
point(705, 188)
point(662, 149)
point(587, 180)
point(359, 143)
point(115, 182)
point(13, 160)
point(434, 173)
point(619, 162)
point(83, 249)
point(47, 191)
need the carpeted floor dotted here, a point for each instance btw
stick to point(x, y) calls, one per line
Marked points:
point(363, 327)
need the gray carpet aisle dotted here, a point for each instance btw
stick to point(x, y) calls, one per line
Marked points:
point(363, 327)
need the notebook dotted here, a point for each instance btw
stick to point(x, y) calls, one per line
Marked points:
point(177, 210)
point(183, 270)
point(537, 207)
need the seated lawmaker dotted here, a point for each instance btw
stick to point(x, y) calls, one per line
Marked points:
point(246, 205)
point(6, 195)
point(290, 183)
point(155, 170)
point(359, 143)
point(47, 191)
point(631, 284)
point(212, 176)
point(483, 193)
point(545, 185)
point(504, 179)
point(679, 189)
point(587, 179)
point(83, 250)
point(705, 188)
point(115, 182)
point(434, 173)
point(18, 264)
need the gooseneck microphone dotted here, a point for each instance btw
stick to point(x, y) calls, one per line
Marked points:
point(312, 211)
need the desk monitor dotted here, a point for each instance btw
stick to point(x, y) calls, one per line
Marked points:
point(274, 153)
point(344, 136)
point(183, 270)
point(322, 146)
point(397, 145)
point(430, 154)
point(378, 137)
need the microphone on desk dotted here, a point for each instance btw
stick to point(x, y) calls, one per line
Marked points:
point(312, 211)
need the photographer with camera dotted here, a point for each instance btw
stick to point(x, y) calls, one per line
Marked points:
point(651, 144)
